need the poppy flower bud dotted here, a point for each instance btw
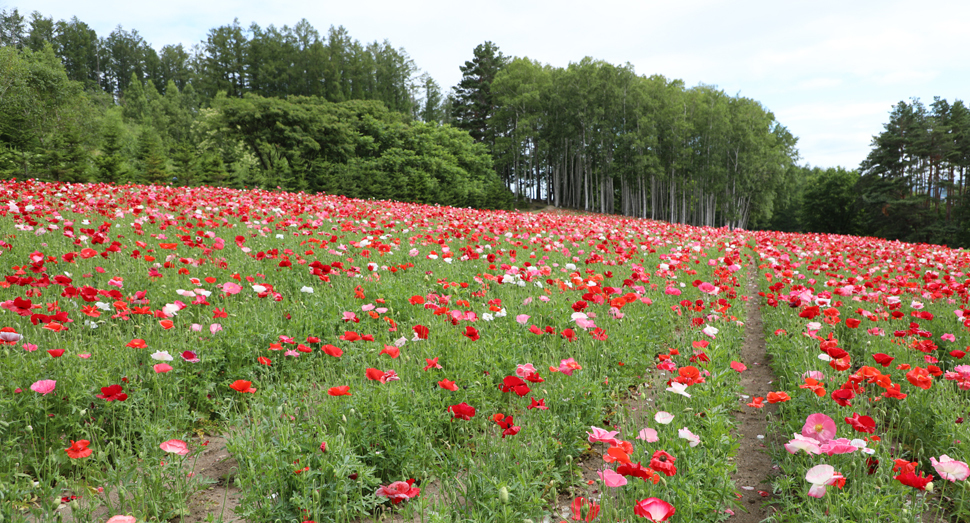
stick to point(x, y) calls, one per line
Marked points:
point(323, 446)
point(503, 495)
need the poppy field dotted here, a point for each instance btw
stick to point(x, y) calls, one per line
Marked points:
point(372, 360)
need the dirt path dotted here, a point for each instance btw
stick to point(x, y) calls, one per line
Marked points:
point(753, 462)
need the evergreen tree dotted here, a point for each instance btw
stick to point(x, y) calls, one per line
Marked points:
point(213, 170)
point(151, 156)
point(432, 106)
point(13, 29)
point(185, 165)
point(41, 31)
point(473, 103)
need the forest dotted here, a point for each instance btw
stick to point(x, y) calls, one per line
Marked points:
point(302, 110)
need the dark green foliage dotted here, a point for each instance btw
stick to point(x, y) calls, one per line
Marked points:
point(914, 181)
point(111, 163)
point(359, 149)
point(829, 201)
point(474, 103)
point(152, 158)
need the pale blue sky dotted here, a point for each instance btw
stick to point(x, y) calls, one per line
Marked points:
point(829, 70)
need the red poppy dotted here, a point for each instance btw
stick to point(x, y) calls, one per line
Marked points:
point(79, 449)
point(778, 397)
point(391, 351)
point(331, 350)
point(920, 377)
point(577, 509)
point(893, 392)
point(166, 324)
point(509, 428)
point(421, 332)
point(432, 364)
point(471, 333)
point(883, 359)
point(462, 411)
point(663, 462)
point(637, 470)
point(343, 390)
point(910, 479)
point(861, 423)
point(516, 385)
point(446, 384)
point(842, 397)
point(243, 386)
point(112, 393)
point(374, 374)
point(55, 353)
point(349, 336)
point(265, 361)
point(137, 343)
point(757, 402)
point(852, 323)
point(541, 404)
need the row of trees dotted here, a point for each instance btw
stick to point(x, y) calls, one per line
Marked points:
point(270, 61)
point(51, 127)
point(592, 136)
point(599, 137)
point(913, 185)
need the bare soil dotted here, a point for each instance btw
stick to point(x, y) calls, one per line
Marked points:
point(220, 499)
point(754, 465)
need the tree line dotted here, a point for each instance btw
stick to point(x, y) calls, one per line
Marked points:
point(598, 137)
point(286, 107)
point(912, 186)
point(332, 116)
point(271, 61)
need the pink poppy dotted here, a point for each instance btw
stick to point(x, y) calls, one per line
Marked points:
point(603, 436)
point(820, 476)
point(190, 357)
point(175, 446)
point(399, 491)
point(43, 387)
point(122, 519)
point(161, 368)
point(611, 478)
point(524, 370)
point(951, 469)
point(654, 509)
point(819, 427)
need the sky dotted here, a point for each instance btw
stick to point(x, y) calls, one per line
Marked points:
point(830, 71)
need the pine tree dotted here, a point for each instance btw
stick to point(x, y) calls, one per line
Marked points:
point(152, 157)
point(111, 164)
point(473, 103)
